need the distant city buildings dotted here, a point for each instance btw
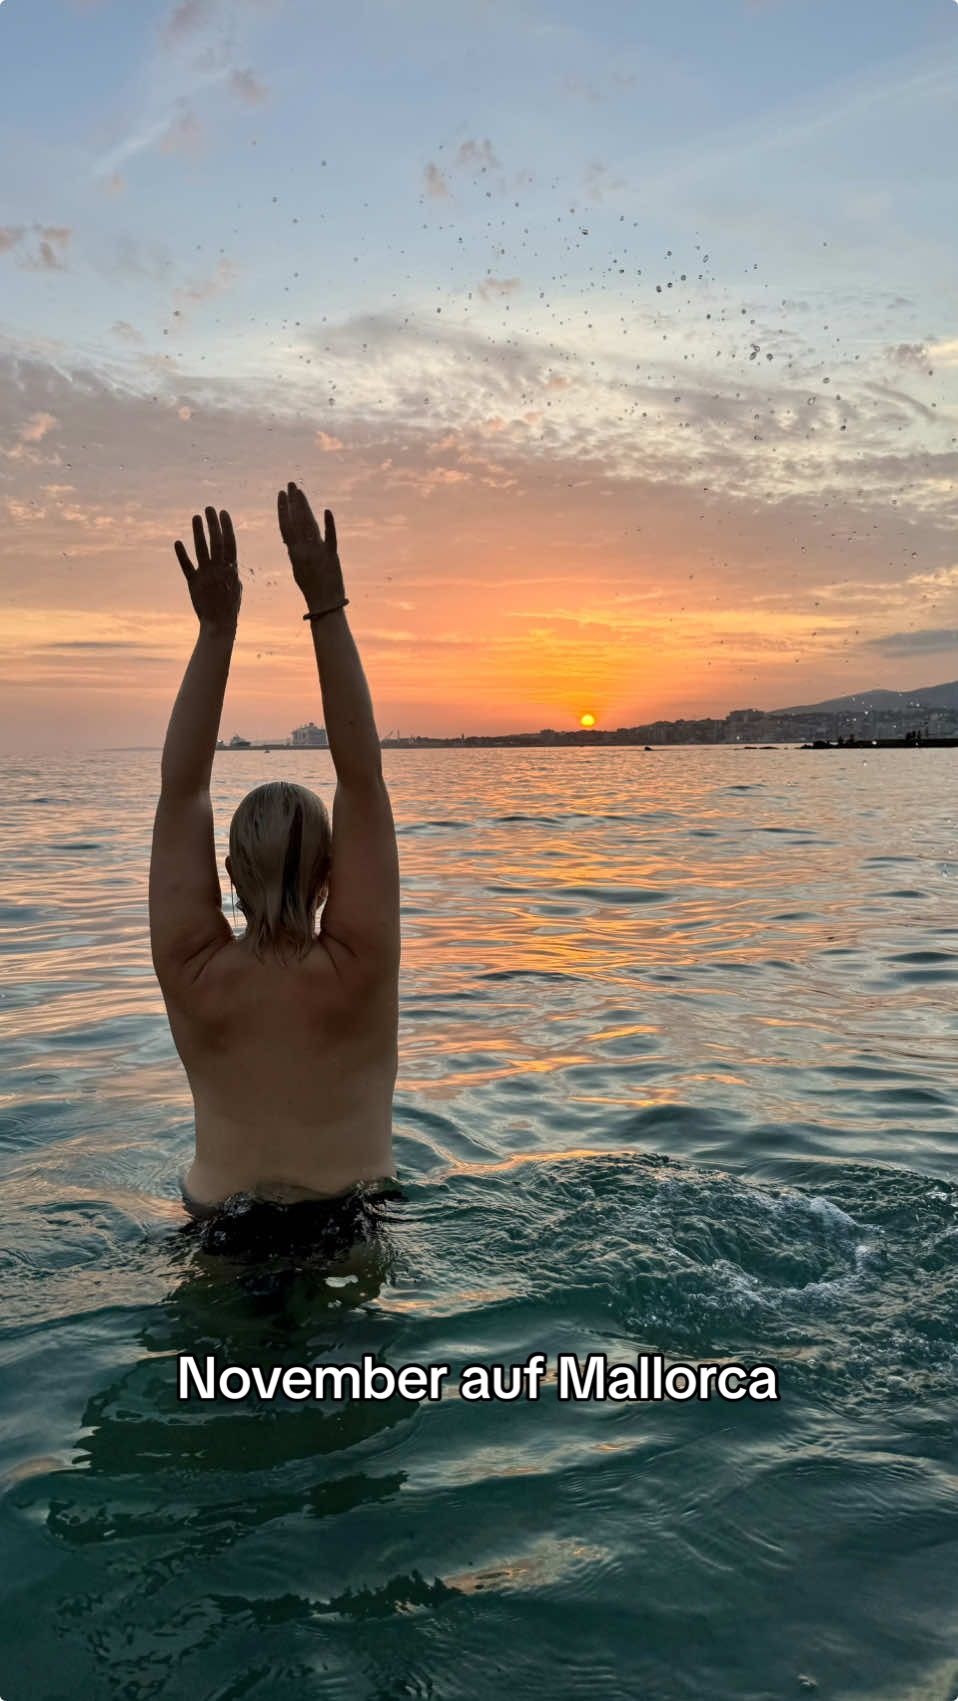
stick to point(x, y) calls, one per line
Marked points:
point(903, 717)
point(742, 726)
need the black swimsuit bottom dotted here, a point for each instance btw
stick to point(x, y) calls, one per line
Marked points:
point(256, 1230)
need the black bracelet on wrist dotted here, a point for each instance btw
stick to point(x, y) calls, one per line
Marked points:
point(320, 612)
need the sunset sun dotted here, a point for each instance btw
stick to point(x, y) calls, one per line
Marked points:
point(587, 719)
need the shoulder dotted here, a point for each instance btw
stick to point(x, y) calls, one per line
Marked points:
point(201, 986)
point(357, 967)
point(226, 981)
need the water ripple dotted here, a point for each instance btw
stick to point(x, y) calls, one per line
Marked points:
point(677, 1075)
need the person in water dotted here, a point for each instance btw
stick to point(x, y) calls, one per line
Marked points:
point(288, 1036)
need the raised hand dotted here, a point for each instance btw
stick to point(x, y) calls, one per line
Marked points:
point(315, 561)
point(214, 582)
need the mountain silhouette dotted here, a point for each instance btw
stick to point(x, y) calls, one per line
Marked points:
point(923, 697)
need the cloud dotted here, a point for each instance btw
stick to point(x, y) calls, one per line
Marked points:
point(214, 35)
point(175, 129)
point(48, 256)
point(491, 288)
point(943, 578)
point(35, 429)
point(893, 92)
point(184, 132)
point(191, 18)
point(135, 258)
point(44, 260)
point(436, 184)
point(38, 427)
point(695, 493)
point(479, 156)
point(188, 17)
point(598, 180)
point(127, 332)
point(909, 355)
point(89, 644)
point(205, 289)
point(927, 642)
point(23, 512)
point(586, 564)
point(248, 88)
point(473, 157)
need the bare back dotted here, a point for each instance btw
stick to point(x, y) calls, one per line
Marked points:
point(292, 1069)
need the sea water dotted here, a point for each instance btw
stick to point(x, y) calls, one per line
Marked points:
point(678, 1081)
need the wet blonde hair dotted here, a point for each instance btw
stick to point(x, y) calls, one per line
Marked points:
point(280, 846)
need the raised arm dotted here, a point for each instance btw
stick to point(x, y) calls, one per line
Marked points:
point(362, 910)
point(186, 919)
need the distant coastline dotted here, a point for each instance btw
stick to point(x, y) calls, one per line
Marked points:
point(926, 715)
point(515, 741)
point(508, 740)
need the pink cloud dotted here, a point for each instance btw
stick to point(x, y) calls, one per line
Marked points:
point(248, 88)
point(184, 133)
point(435, 182)
point(190, 15)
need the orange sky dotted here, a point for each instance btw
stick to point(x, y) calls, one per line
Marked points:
point(492, 587)
point(614, 415)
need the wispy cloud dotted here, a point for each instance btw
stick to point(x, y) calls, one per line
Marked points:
point(929, 641)
point(173, 126)
point(436, 184)
point(909, 355)
point(49, 253)
point(30, 433)
point(135, 257)
point(184, 133)
point(205, 289)
point(472, 158)
point(38, 427)
point(491, 288)
point(126, 332)
point(189, 17)
point(248, 88)
point(912, 86)
point(175, 129)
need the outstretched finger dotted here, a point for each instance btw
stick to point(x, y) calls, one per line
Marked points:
point(216, 537)
point(229, 538)
point(303, 511)
point(199, 542)
point(282, 504)
point(184, 559)
point(330, 530)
